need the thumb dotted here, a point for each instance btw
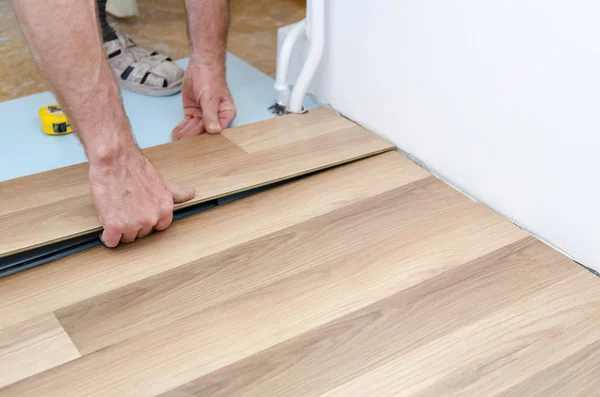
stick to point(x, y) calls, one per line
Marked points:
point(180, 194)
point(210, 114)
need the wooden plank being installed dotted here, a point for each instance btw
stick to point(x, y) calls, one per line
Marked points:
point(52, 206)
point(371, 279)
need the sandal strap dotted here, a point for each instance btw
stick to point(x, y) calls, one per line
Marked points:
point(137, 69)
point(141, 62)
point(141, 71)
point(161, 57)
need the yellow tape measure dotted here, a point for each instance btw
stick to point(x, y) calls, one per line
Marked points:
point(54, 121)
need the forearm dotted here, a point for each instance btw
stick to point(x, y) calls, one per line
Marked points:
point(64, 40)
point(208, 26)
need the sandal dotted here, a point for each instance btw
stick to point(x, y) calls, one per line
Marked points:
point(140, 70)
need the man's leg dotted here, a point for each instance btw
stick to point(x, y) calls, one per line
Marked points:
point(137, 69)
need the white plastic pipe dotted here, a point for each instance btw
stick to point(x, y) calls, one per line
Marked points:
point(282, 88)
point(316, 37)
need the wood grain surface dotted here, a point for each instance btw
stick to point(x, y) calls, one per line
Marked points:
point(32, 347)
point(370, 279)
point(99, 270)
point(52, 206)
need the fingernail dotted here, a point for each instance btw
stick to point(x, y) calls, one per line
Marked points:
point(105, 244)
point(214, 127)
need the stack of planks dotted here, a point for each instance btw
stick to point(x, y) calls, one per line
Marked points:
point(368, 279)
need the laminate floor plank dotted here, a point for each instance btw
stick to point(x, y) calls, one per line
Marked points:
point(490, 355)
point(188, 348)
point(56, 205)
point(50, 187)
point(285, 162)
point(99, 270)
point(323, 358)
point(285, 131)
point(575, 376)
point(139, 307)
point(32, 347)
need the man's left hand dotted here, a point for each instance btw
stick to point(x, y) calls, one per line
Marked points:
point(207, 103)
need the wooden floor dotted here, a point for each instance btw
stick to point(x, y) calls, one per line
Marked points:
point(370, 279)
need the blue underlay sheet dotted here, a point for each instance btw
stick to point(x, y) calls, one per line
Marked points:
point(26, 150)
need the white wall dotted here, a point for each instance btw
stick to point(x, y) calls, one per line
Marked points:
point(501, 98)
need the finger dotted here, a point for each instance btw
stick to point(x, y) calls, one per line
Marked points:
point(181, 129)
point(180, 194)
point(227, 113)
point(110, 237)
point(189, 113)
point(210, 114)
point(193, 128)
point(165, 221)
point(129, 236)
point(176, 131)
point(193, 111)
point(143, 232)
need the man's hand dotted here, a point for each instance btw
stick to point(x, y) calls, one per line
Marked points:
point(207, 103)
point(132, 198)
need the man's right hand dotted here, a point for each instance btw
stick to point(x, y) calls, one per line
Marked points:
point(132, 198)
point(130, 195)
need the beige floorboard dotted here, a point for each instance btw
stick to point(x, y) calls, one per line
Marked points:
point(32, 347)
point(496, 352)
point(337, 352)
point(140, 307)
point(574, 376)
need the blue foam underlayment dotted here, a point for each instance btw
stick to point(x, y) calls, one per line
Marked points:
point(26, 150)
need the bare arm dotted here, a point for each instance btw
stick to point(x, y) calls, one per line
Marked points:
point(130, 196)
point(66, 45)
point(208, 25)
point(207, 102)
